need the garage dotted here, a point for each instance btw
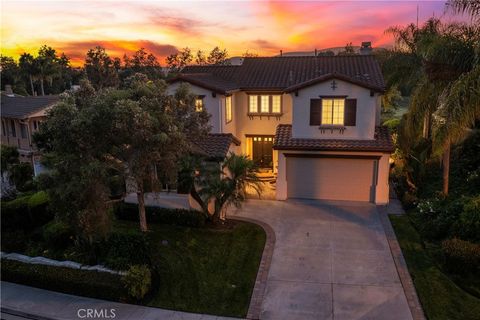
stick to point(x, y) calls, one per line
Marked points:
point(331, 178)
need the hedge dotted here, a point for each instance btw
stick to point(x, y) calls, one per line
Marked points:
point(26, 212)
point(94, 284)
point(461, 256)
point(180, 217)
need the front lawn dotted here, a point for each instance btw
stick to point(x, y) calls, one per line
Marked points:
point(441, 297)
point(205, 270)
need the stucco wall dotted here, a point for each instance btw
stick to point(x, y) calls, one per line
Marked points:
point(381, 190)
point(211, 104)
point(368, 110)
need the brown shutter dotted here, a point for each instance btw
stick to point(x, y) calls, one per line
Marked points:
point(350, 112)
point(315, 112)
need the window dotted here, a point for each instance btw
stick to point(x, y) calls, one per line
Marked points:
point(265, 104)
point(35, 125)
point(198, 104)
point(253, 104)
point(228, 109)
point(333, 111)
point(23, 130)
point(12, 128)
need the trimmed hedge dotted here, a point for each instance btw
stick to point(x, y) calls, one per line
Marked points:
point(26, 212)
point(94, 284)
point(124, 249)
point(179, 217)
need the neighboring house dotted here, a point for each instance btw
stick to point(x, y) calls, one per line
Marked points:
point(20, 118)
point(314, 122)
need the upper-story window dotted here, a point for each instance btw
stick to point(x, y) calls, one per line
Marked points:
point(265, 104)
point(333, 111)
point(12, 128)
point(23, 130)
point(199, 104)
point(228, 109)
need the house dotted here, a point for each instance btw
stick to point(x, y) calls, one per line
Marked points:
point(312, 121)
point(20, 118)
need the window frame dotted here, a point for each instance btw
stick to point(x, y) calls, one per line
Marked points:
point(228, 107)
point(13, 129)
point(200, 98)
point(23, 131)
point(259, 104)
point(331, 114)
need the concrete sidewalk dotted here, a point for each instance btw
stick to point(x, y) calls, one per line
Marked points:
point(44, 304)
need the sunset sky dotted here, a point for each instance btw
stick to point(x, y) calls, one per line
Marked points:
point(162, 27)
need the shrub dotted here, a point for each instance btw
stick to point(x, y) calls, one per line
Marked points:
point(409, 200)
point(26, 212)
point(467, 226)
point(461, 256)
point(88, 283)
point(180, 217)
point(13, 241)
point(138, 281)
point(124, 249)
point(58, 235)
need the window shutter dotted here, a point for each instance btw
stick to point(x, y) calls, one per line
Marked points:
point(350, 112)
point(315, 112)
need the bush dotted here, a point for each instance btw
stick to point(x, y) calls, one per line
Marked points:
point(180, 217)
point(26, 212)
point(88, 283)
point(58, 235)
point(138, 281)
point(14, 241)
point(461, 256)
point(468, 224)
point(123, 249)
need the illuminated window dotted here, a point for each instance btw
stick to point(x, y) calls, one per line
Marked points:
point(228, 109)
point(198, 104)
point(276, 104)
point(253, 104)
point(265, 104)
point(333, 111)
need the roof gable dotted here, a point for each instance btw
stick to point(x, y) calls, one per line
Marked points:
point(21, 107)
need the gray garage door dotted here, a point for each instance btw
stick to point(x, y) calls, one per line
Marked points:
point(331, 178)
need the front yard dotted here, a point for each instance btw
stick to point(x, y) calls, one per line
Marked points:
point(443, 295)
point(195, 267)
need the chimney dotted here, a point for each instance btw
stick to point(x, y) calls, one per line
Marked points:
point(366, 48)
point(8, 90)
point(316, 52)
point(281, 53)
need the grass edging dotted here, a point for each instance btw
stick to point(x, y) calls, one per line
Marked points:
point(258, 293)
point(441, 298)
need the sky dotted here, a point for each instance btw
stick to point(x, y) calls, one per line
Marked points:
point(163, 27)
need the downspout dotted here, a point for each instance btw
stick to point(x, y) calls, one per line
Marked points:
point(220, 127)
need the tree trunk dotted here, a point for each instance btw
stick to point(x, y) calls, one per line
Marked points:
point(41, 87)
point(427, 125)
point(141, 207)
point(194, 194)
point(31, 84)
point(446, 169)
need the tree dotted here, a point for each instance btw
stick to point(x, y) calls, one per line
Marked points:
point(224, 187)
point(349, 50)
point(200, 58)
point(176, 61)
point(101, 70)
point(217, 56)
point(28, 67)
point(248, 54)
point(47, 66)
point(142, 62)
point(471, 7)
point(10, 74)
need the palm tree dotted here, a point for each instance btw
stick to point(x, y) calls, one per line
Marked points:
point(471, 7)
point(223, 187)
point(28, 67)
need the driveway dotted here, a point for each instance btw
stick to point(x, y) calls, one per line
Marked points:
point(331, 261)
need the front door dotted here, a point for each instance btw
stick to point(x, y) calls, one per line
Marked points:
point(262, 151)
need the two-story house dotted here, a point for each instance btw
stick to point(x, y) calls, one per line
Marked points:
point(21, 117)
point(314, 121)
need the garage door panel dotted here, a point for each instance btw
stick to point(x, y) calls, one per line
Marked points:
point(330, 178)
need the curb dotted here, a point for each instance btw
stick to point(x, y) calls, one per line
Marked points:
point(401, 265)
point(258, 294)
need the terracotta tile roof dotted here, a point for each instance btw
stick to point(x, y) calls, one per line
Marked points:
point(216, 145)
point(284, 141)
point(285, 73)
point(20, 107)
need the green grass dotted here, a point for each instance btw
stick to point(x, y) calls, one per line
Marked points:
point(205, 270)
point(441, 298)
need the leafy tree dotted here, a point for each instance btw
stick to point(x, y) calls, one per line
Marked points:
point(248, 54)
point(10, 74)
point(28, 67)
point(176, 61)
point(47, 65)
point(349, 50)
point(142, 62)
point(18, 173)
point(224, 187)
point(217, 56)
point(200, 58)
point(101, 70)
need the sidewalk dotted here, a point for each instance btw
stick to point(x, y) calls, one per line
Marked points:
point(58, 306)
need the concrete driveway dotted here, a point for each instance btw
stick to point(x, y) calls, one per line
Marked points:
point(331, 261)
